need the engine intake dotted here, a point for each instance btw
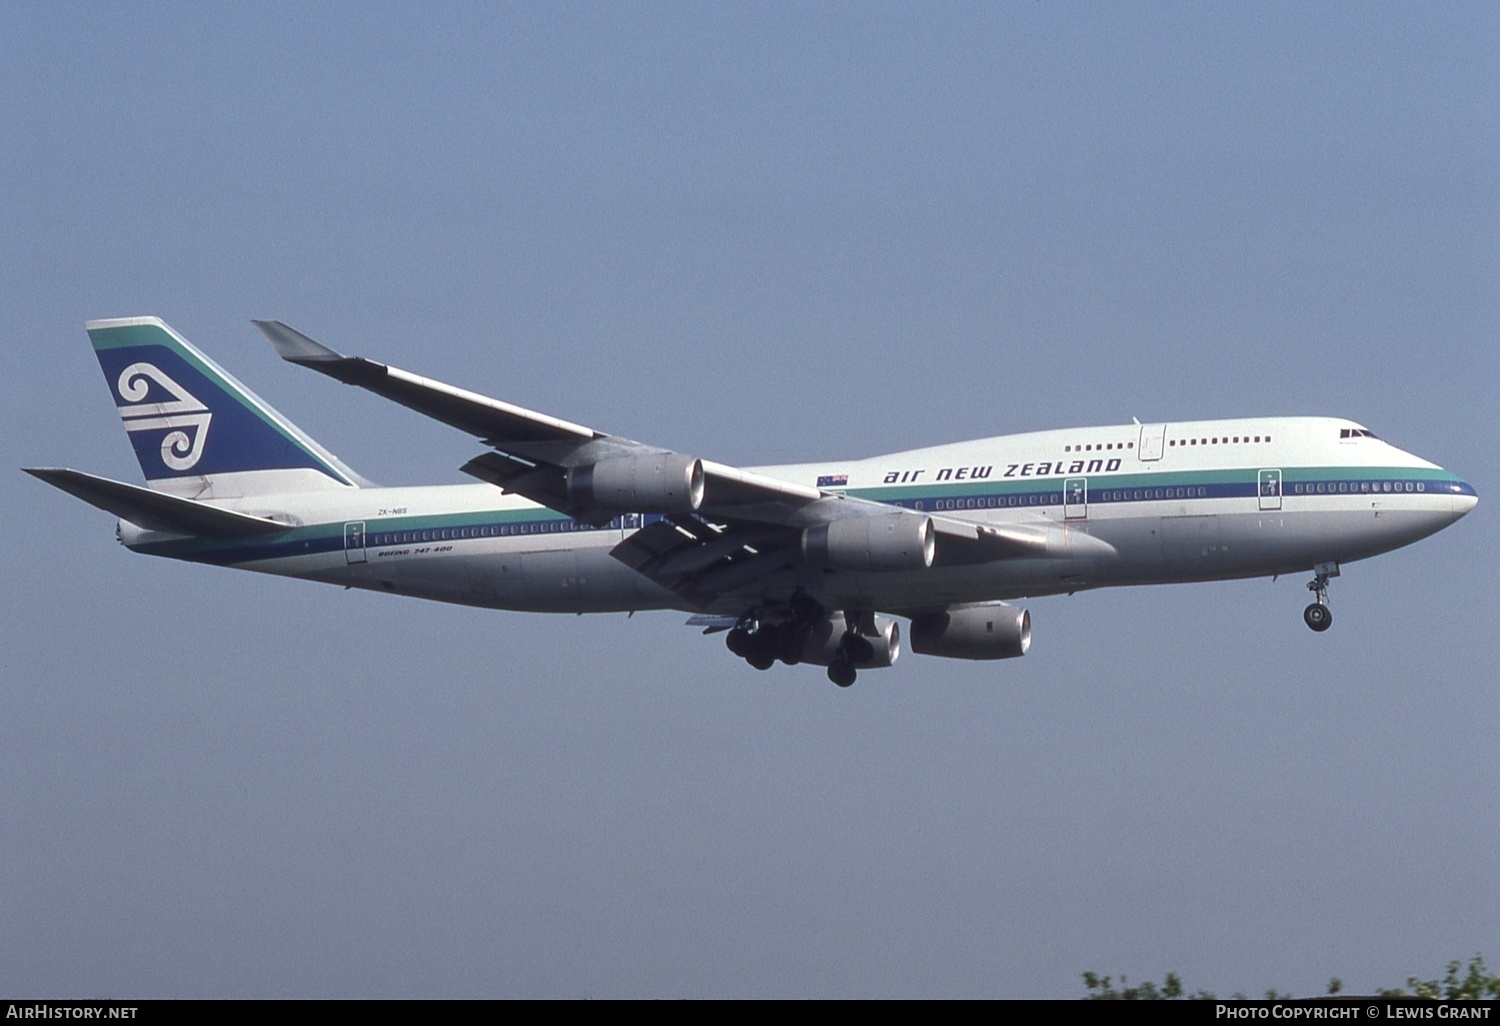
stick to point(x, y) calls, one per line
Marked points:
point(991, 631)
point(886, 541)
point(650, 483)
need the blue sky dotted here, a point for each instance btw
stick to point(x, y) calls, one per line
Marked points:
point(755, 233)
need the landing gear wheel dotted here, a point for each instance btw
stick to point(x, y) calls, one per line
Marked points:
point(1318, 616)
point(760, 648)
point(841, 673)
point(738, 642)
point(790, 641)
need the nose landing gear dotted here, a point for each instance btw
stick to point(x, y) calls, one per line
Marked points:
point(1318, 616)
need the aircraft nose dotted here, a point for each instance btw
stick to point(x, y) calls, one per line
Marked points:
point(1464, 498)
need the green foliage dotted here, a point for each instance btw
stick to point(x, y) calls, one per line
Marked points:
point(1474, 984)
point(1101, 989)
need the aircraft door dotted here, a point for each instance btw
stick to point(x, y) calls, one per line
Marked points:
point(1076, 498)
point(354, 542)
point(1268, 486)
point(1152, 441)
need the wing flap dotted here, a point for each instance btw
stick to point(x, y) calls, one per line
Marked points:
point(540, 482)
point(700, 559)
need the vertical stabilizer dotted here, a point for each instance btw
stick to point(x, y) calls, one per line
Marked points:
point(198, 432)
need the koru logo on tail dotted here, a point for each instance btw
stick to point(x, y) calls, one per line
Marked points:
point(184, 418)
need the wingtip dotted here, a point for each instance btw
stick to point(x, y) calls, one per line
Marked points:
point(293, 346)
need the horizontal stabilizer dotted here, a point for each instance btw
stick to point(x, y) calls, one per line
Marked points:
point(156, 511)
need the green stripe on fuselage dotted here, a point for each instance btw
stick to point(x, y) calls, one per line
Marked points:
point(1137, 479)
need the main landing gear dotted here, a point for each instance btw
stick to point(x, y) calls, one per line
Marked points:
point(760, 643)
point(792, 639)
point(853, 648)
point(1318, 616)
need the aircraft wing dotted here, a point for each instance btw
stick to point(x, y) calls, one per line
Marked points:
point(720, 527)
point(533, 452)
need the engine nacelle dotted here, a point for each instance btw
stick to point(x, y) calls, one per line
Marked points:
point(649, 483)
point(992, 631)
point(824, 637)
point(886, 541)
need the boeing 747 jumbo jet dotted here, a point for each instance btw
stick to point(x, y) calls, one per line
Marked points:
point(806, 563)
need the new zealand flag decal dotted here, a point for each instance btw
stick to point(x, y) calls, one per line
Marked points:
point(834, 481)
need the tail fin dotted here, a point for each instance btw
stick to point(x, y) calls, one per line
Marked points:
point(198, 432)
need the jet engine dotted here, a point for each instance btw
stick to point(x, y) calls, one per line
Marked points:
point(887, 541)
point(649, 483)
point(990, 631)
point(825, 637)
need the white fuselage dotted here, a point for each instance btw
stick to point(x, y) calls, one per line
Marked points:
point(1170, 502)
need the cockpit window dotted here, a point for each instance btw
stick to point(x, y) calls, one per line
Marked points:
point(1356, 433)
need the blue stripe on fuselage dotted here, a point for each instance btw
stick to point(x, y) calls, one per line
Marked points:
point(1036, 495)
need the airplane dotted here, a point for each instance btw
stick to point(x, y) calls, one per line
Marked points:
point(806, 563)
